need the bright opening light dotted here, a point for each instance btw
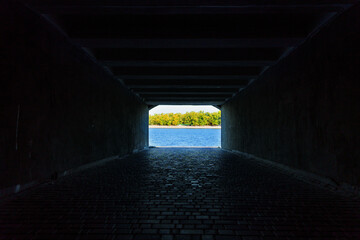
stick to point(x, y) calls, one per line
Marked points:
point(185, 126)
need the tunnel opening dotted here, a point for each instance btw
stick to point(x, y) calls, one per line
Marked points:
point(78, 79)
point(184, 126)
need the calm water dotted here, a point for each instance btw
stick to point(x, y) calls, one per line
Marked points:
point(184, 137)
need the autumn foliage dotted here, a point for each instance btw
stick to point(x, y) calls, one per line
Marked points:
point(189, 119)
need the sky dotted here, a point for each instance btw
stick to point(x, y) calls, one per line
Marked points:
point(181, 109)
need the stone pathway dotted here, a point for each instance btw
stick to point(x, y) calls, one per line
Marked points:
point(188, 193)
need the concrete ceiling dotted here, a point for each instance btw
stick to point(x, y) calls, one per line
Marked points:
point(188, 52)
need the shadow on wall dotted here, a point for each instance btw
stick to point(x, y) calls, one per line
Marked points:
point(303, 112)
point(60, 110)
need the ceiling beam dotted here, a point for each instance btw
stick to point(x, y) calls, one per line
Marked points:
point(103, 8)
point(187, 98)
point(243, 63)
point(181, 55)
point(147, 93)
point(189, 43)
point(184, 86)
point(192, 102)
point(185, 71)
point(192, 96)
point(194, 90)
point(187, 77)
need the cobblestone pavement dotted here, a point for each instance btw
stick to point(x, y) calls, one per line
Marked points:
point(187, 193)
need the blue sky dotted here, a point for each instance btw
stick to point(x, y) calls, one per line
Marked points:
point(182, 109)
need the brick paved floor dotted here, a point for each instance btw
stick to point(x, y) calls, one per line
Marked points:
point(179, 194)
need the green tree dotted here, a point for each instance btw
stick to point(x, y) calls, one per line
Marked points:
point(189, 119)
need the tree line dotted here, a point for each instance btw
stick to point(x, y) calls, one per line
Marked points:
point(189, 119)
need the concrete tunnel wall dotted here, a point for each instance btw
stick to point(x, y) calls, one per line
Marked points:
point(304, 111)
point(59, 109)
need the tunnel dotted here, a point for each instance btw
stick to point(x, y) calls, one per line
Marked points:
point(78, 79)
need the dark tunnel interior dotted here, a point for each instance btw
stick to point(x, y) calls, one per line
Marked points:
point(78, 80)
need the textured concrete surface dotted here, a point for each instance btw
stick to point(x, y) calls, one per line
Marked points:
point(58, 108)
point(304, 111)
point(179, 194)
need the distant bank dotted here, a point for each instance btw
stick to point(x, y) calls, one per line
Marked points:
point(162, 126)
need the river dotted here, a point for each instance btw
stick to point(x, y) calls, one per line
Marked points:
point(185, 137)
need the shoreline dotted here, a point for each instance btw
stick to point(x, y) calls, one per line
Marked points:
point(193, 127)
